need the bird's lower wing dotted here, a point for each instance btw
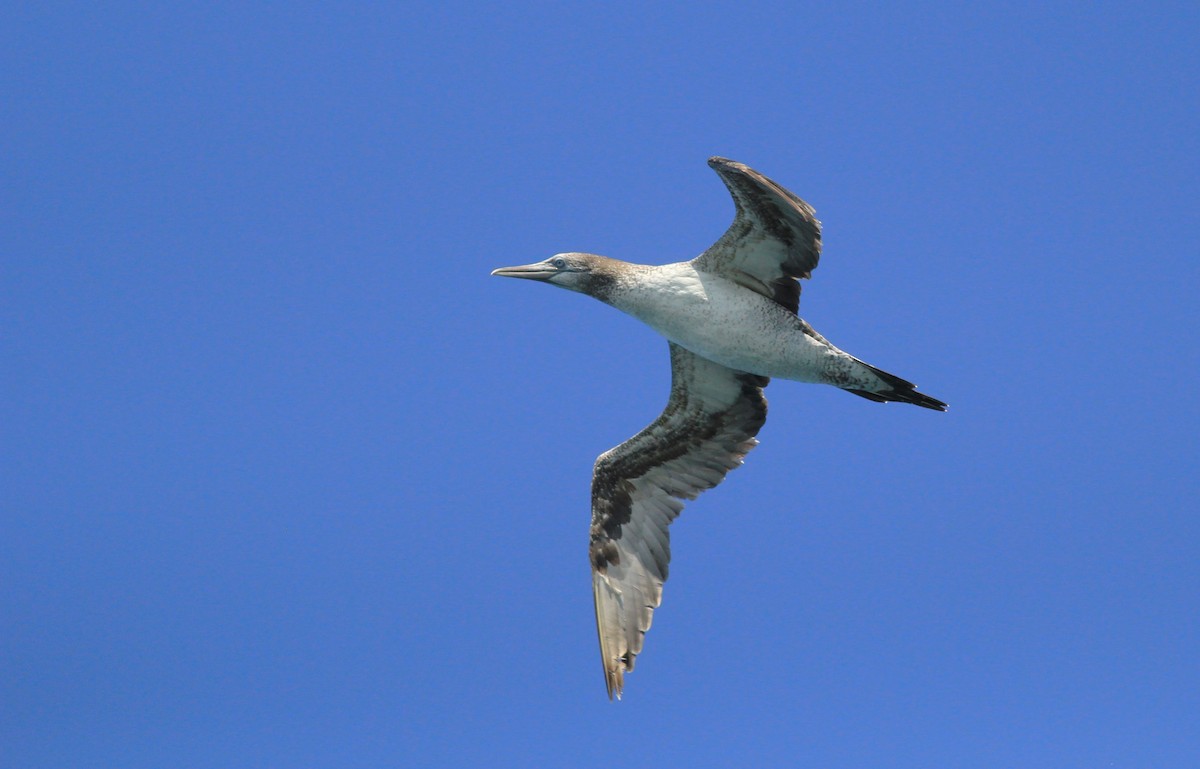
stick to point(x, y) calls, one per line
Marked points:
point(707, 428)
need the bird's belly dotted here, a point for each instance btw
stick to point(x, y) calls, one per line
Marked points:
point(772, 351)
point(748, 334)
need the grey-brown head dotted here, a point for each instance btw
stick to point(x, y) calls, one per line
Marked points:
point(586, 273)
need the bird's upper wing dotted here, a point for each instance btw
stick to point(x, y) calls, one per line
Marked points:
point(775, 237)
point(706, 429)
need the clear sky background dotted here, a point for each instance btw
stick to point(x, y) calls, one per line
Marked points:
point(289, 481)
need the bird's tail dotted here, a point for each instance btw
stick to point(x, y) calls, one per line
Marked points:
point(897, 390)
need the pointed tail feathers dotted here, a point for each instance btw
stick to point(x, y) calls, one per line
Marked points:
point(900, 391)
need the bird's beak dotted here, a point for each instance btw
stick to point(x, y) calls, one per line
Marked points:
point(538, 271)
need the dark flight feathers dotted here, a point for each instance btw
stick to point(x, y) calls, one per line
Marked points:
point(707, 428)
point(775, 237)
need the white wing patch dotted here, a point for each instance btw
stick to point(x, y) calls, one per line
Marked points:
point(775, 237)
point(706, 429)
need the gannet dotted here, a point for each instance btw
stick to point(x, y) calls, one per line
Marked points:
point(729, 317)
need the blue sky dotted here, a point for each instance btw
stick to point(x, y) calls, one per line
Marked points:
point(289, 480)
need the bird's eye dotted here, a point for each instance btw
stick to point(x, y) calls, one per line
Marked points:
point(559, 262)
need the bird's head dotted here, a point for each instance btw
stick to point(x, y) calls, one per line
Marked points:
point(585, 273)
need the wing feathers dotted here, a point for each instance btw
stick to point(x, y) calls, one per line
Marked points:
point(706, 429)
point(775, 237)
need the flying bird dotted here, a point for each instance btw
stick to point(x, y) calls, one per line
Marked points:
point(729, 316)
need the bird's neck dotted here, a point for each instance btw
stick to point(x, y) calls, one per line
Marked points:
point(610, 279)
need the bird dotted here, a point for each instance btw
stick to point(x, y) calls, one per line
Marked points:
point(730, 317)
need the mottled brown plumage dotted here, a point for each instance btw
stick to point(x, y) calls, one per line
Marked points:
point(730, 317)
point(706, 429)
point(775, 237)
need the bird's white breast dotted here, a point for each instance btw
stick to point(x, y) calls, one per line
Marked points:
point(722, 321)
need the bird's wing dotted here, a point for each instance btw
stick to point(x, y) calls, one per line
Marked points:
point(775, 237)
point(706, 429)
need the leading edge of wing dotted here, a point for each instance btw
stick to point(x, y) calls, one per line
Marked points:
point(774, 240)
point(706, 429)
